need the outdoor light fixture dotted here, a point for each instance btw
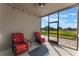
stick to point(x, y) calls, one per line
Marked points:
point(41, 4)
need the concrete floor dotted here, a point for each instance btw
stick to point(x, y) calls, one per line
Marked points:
point(54, 50)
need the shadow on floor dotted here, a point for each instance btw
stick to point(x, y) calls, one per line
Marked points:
point(62, 47)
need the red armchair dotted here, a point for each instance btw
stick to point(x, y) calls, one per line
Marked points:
point(38, 38)
point(18, 44)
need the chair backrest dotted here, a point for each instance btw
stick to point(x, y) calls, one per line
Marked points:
point(17, 37)
point(37, 35)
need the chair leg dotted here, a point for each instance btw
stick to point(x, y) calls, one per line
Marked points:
point(14, 50)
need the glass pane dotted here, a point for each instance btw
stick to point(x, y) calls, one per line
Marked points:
point(68, 27)
point(53, 17)
point(44, 27)
point(53, 32)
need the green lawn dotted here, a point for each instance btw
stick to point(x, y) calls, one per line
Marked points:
point(62, 34)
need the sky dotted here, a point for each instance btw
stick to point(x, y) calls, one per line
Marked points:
point(67, 18)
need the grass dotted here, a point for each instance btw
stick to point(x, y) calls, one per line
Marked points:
point(71, 35)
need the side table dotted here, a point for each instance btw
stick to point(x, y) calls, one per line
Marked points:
point(31, 43)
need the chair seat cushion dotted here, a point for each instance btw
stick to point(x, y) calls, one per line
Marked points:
point(42, 40)
point(21, 47)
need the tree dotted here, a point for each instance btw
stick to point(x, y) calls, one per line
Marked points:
point(69, 28)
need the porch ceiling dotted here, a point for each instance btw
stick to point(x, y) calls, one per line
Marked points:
point(36, 10)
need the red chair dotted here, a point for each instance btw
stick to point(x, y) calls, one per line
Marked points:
point(38, 38)
point(18, 44)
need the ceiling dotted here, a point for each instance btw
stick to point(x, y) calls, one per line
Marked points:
point(35, 9)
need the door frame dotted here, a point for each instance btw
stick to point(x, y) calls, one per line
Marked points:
point(57, 28)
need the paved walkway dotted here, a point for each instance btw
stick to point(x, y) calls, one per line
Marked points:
point(64, 42)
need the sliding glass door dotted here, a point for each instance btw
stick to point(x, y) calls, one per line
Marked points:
point(53, 28)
